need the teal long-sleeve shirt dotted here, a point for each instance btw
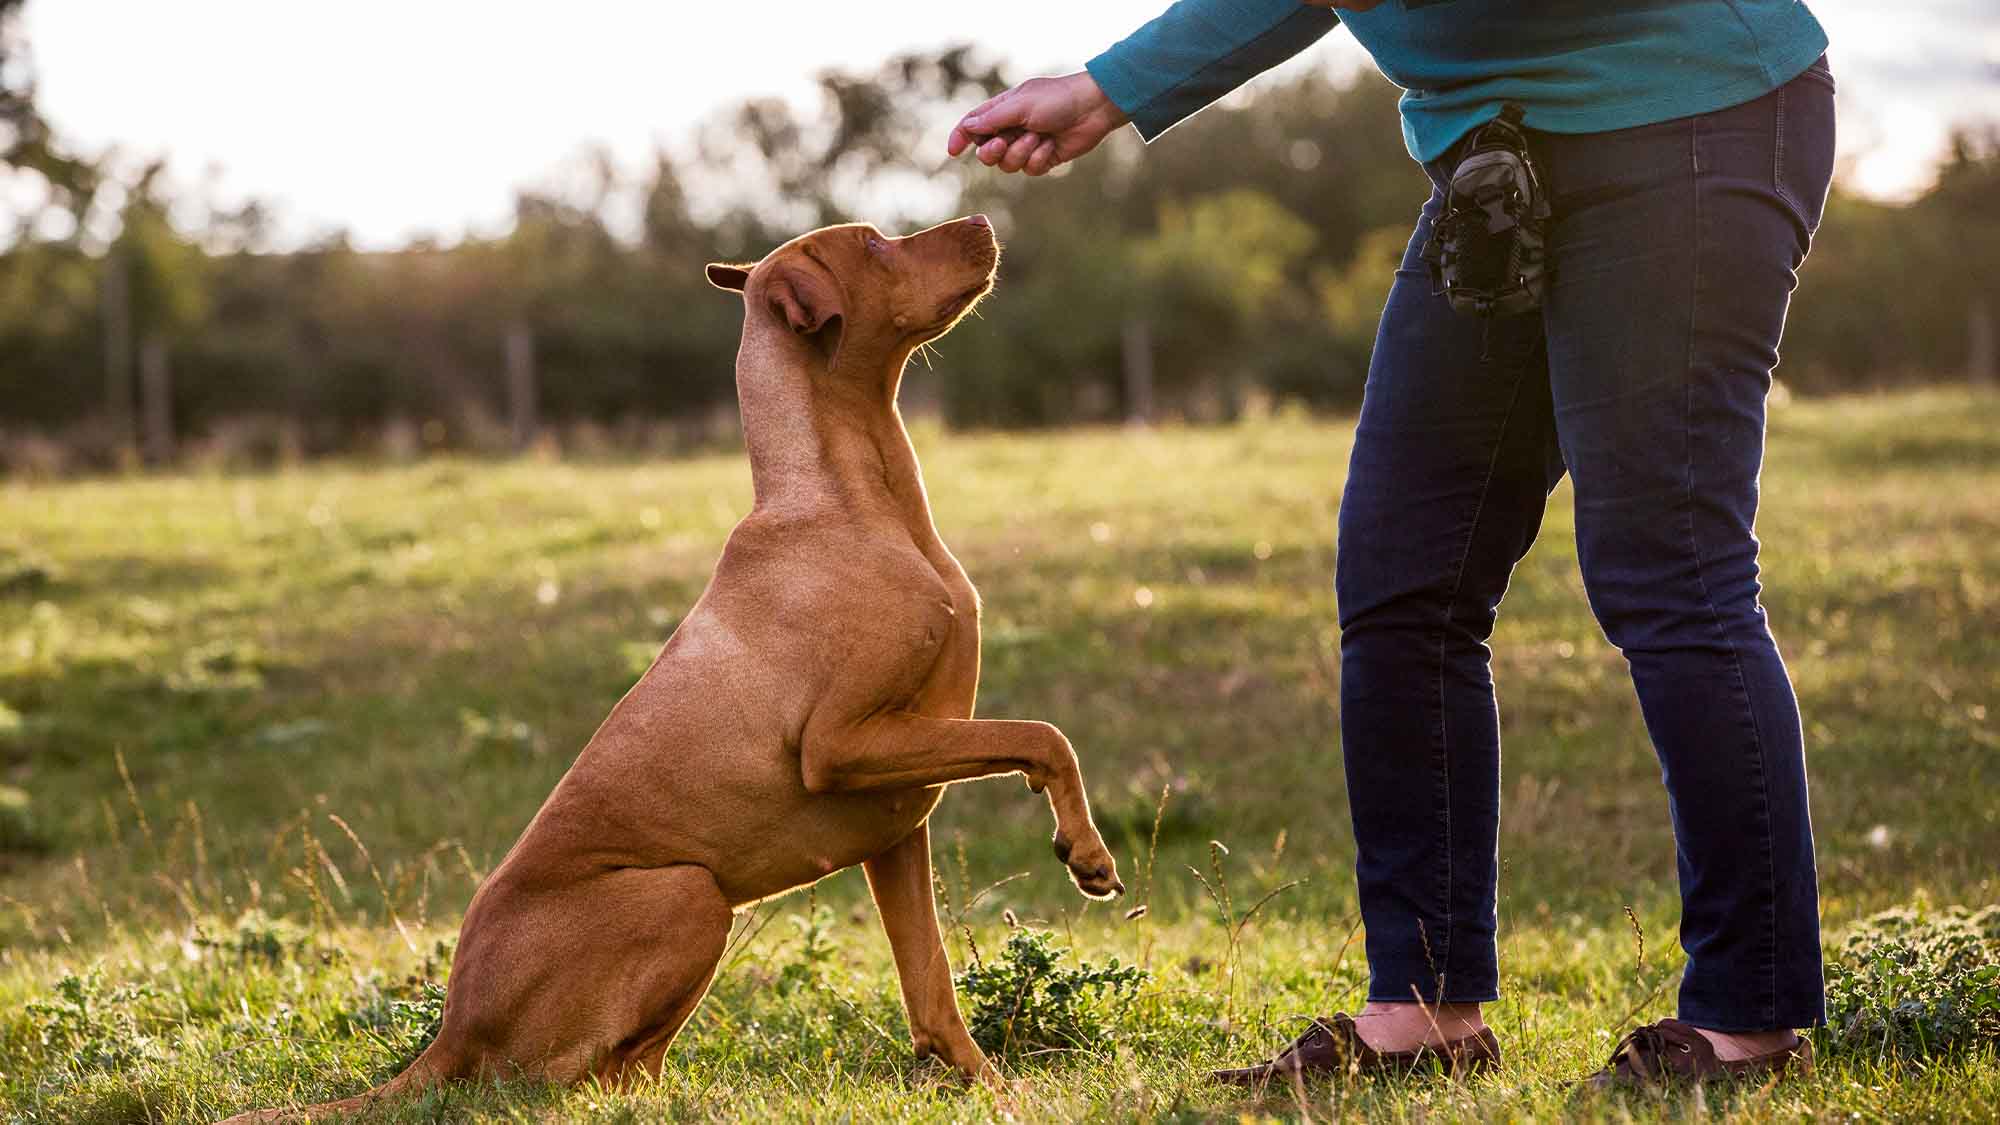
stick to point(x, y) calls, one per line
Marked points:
point(1574, 66)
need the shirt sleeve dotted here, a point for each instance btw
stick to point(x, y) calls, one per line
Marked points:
point(1199, 50)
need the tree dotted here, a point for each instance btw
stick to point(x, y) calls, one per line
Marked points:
point(863, 150)
point(27, 146)
point(48, 284)
point(1214, 274)
point(1251, 247)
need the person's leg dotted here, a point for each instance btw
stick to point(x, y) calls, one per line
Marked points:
point(1454, 456)
point(1672, 263)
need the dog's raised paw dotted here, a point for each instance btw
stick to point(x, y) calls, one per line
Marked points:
point(1090, 867)
point(1100, 882)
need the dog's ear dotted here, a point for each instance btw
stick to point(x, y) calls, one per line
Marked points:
point(806, 297)
point(723, 275)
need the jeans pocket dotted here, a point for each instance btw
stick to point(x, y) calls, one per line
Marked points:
point(1820, 73)
point(1802, 150)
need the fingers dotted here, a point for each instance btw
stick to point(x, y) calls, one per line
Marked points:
point(1005, 115)
point(963, 133)
point(1006, 110)
point(982, 107)
point(1030, 127)
point(1042, 159)
point(1019, 150)
point(993, 149)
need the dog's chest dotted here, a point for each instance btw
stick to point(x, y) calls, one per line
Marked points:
point(892, 611)
point(933, 593)
point(929, 621)
point(958, 604)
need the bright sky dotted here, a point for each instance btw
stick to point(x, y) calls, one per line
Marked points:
point(399, 117)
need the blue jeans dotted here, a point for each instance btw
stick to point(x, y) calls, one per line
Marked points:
point(1673, 250)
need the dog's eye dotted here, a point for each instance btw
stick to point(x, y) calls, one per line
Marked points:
point(875, 245)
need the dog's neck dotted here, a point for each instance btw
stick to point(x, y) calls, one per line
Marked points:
point(816, 437)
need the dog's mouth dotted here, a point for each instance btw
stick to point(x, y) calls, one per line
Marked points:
point(963, 303)
point(956, 306)
point(972, 246)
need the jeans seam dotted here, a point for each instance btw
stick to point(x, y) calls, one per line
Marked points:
point(1778, 157)
point(1770, 999)
point(1444, 633)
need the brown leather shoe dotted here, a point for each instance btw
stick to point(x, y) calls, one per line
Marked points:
point(1333, 1046)
point(1663, 1053)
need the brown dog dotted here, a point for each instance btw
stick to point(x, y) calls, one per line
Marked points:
point(802, 719)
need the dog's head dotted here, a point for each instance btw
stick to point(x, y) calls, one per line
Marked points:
point(852, 293)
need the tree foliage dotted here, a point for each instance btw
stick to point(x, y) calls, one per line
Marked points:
point(1251, 249)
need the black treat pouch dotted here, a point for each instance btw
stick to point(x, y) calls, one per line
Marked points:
point(1488, 249)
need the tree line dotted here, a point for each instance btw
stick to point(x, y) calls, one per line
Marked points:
point(1244, 258)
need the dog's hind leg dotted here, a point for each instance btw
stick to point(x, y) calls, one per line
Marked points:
point(562, 977)
point(592, 977)
point(686, 951)
point(900, 879)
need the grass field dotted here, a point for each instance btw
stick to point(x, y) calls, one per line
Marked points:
point(260, 737)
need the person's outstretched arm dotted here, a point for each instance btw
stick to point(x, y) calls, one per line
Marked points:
point(1161, 74)
point(1199, 50)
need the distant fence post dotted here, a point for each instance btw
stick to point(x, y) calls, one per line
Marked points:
point(522, 398)
point(1136, 350)
point(1982, 365)
point(116, 298)
point(156, 402)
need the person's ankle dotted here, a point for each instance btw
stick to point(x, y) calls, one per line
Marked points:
point(1731, 1046)
point(1396, 1026)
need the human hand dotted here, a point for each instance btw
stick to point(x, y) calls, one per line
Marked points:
point(1038, 124)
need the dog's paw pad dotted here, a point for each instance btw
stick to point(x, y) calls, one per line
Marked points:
point(1099, 883)
point(1090, 865)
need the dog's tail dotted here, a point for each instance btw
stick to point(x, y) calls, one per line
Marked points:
point(430, 1069)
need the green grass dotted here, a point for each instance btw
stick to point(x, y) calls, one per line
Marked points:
point(198, 675)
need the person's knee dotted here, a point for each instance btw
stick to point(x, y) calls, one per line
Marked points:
point(1374, 598)
point(1380, 591)
point(1674, 600)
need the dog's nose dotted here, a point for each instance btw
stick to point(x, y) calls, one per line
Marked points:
point(979, 220)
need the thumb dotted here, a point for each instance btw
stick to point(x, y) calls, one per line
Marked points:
point(1006, 111)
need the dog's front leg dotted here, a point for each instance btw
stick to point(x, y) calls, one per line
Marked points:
point(901, 881)
point(899, 750)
